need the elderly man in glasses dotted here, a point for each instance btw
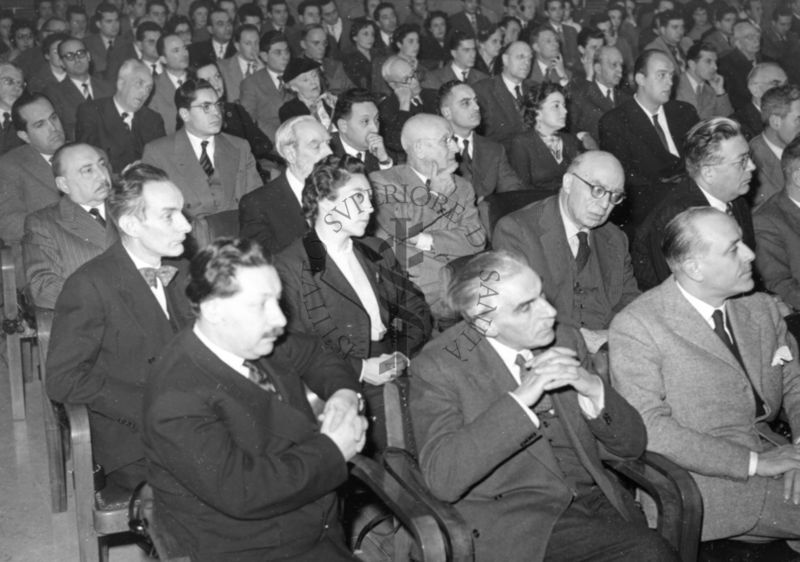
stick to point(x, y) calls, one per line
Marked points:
point(212, 169)
point(582, 258)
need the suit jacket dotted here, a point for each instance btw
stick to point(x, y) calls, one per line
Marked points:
point(777, 228)
point(489, 170)
point(237, 122)
point(400, 198)
point(30, 61)
point(535, 165)
point(359, 69)
point(749, 117)
point(26, 185)
point(773, 47)
point(588, 104)
point(371, 163)
point(236, 472)
point(648, 261)
point(460, 22)
point(162, 101)
point(123, 50)
point(500, 118)
point(100, 125)
point(97, 48)
point(720, 41)
point(569, 45)
point(107, 331)
point(479, 449)
point(708, 104)
point(44, 78)
point(9, 138)
point(262, 100)
point(769, 179)
point(660, 45)
point(320, 301)
point(272, 216)
point(202, 53)
point(537, 232)
point(735, 67)
point(58, 240)
point(232, 76)
point(234, 168)
point(694, 396)
point(436, 78)
point(393, 119)
point(66, 98)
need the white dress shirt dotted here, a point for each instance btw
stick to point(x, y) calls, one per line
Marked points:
point(198, 149)
point(230, 359)
point(295, 185)
point(79, 84)
point(158, 290)
point(662, 120)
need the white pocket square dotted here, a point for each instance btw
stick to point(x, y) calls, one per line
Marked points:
point(782, 355)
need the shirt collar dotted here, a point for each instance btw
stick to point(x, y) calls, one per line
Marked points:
point(510, 85)
point(776, 150)
point(694, 83)
point(230, 359)
point(542, 66)
point(604, 89)
point(174, 79)
point(79, 84)
point(470, 137)
point(420, 176)
point(120, 110)
point(570, 227)
point(718, 204)
point(138, 263)
point(350, 149)
point(195, 142)
point(703, 308)
point(659, 112)
point(458, 71)
point(100, 208)
point(509, 356)
point(295, 184)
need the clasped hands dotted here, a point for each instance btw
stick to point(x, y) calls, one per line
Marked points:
point(556, 368)
point(342, 422)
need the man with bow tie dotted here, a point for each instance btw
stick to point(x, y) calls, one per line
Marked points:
point(115, 315)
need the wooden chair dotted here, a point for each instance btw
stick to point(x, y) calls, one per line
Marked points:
point(497, 205)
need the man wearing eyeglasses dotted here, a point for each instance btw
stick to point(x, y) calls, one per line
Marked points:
point(719, 170)
point(582, 258)
point(212, 169)
point(77, 86)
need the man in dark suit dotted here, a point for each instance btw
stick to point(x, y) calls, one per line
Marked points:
point(26, 179)
point(225, 410)
point(470, 21)
point(336, 26)
point(121, 125)
point(356, 118)
point(106, 41)
point(244, 64)
point(272, 215)
point(77, 87)
point(277, 17)
point(566, 35)
point(63, 236)
point(701, 85)
point(719, 170)
point(591, 100)
point(463, 51)
point(220, 46)
point(53, 72)
point(263, 93)
point(482, 162)
point(764, 76)
point(548, 62)
point(736, 65)
point(777, 38)
point(512, 429)
point(385, 16)
point(651, 155)
point(174, 58)
point(501, 97)
point(116, 314)
point(12, 84)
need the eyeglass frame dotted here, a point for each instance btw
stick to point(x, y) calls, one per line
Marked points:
point(741, 162)
point(598, 191)
point(8, 81)
point(206, 106)
point(79, 54)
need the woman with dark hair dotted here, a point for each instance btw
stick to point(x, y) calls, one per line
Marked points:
point(433, 51)
point(701, 20)
point(180, 26)
point(489, 43)
point(348, 288)
point(406, 43)
point(542, 154)
point(511, 27)
point(198, 14)
point(358, 63)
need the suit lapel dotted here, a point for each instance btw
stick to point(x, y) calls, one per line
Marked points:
point(559, 260)
point(596, 97)
point(607, 250)
point(640, 121)
point(748, 341)
point(226, 162)
point(505, 100)
point(75, 220)
point(39, 168)
point(190, 168)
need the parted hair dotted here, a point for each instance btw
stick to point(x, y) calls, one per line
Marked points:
point(126, 194)
point(328, 175)
point(682, 238)
point(463, 291)
point(702, 142)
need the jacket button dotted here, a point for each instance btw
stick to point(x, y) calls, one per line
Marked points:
point(476, 533)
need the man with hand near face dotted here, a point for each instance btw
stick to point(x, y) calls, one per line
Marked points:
point(356, 118)
point(701, 85)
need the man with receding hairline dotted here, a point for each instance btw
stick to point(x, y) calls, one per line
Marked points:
point(736, 65)
point(764, 76)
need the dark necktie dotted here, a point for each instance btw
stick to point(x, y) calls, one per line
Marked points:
point(609, 96)
point(660, 132)
point(249, 71)
point(124, 116)
point(464, 74)
point(465, 157)
point(552, 76)
point(544, 404)
point(360, 156)
point(582, 257)
point(165, 273)
point(95, 212)
point(719, 329)
point(518, 98)
point(281, 86)
point(6, 120)
point(109, 46)
point(86, 93)
point(261, 378)
point(155, 69)
point(205, 161)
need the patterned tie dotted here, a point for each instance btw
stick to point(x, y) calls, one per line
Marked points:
point(261, 378)
point(86, 92)
point(582, 257)
point(281, 86)
point(165, 273)
point(660, 132)
point(95, 212)
point(205, 161)
point(544, 404)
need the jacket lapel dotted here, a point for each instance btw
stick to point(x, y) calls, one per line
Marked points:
point(226, 162)
point(74, 219)
point(607, 250)
point(559, 260)
point(189, 167)
point(748, 341)
point(38, 167)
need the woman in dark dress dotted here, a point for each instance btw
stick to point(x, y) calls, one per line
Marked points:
point(490, 41)
point(358, 64)
point(433, 51)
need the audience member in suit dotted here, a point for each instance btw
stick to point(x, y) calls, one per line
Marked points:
point(314, 44)
point(548, 62)
point(582, 258)
point(248, 15)
point(541, 155)
point(225, 410)
point(220, 46)
point(764, 76)
point(780, 109)
point(722, 36)
point(263, 93)
point(651, 156)
point(795, 6)
point(566, 35)
point(277, 17)
point(701, 86)
point(735, 66)
point(122, 125)
point(65, 235)
point(358, 63)
point(174, 58)
point(426, 210)
point(593, 99)
point(482, 162)
point(213, 170)
point(709, 369)
point(418, 11)
point(589, 41)
point(461, 68)
point(470, 21)
point(408, 98)
point(336, 26)
point(26, 179)
point(77, 20)
point(356, 119)
point(671, 30)
point(719, 170)
point(53, 72)
point(12, 86)
point(501, 97)
point(77, 87)
point(146, 46)
point(385, 17)
point(777, 227)
point(106, 41)
point(433, 51)
point(308, 14)
point(303, 78)
point(348, 289)
point(244, 64)
point(272, 215)
point(777, 38)
point(521, 464)
point(116, 314)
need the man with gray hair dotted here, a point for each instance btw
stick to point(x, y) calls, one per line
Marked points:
point(272, 215)
point(764, 76)
point(735, 65)
point(424, 210)
point(498, 401)
point(709, 370)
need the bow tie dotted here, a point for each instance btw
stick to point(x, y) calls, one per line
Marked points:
point(165, 273)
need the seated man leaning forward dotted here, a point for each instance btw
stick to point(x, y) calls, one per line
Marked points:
point(708, 369)
point(512, 427)
point(240, 467)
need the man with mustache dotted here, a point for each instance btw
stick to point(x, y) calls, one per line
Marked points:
point(115, 315)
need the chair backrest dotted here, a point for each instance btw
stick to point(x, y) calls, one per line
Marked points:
point(206, 229)
point(497, 205)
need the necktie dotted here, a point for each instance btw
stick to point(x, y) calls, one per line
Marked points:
point(660, 132)
point(552, 76)
point(6, 120)
point(281, 86)
point(86, 92)
point(360, 156)
point(464, 74)
point(609, 95)
point(109, 46)
point(165, 273)
point(465, 157)
point(518, 98)
point(729, 209)
point(249, 70)
point(719, 329)
point(125, 120)
point(95, 212)
point(582, 257)
point(155, 69)
point(544, 404)
point(205, 161)
point(261, 378)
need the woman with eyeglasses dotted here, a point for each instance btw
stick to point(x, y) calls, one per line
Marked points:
point(303, 77)
point(358, 64)
point(489, 43)
point(542, 153)
point(349, 289)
